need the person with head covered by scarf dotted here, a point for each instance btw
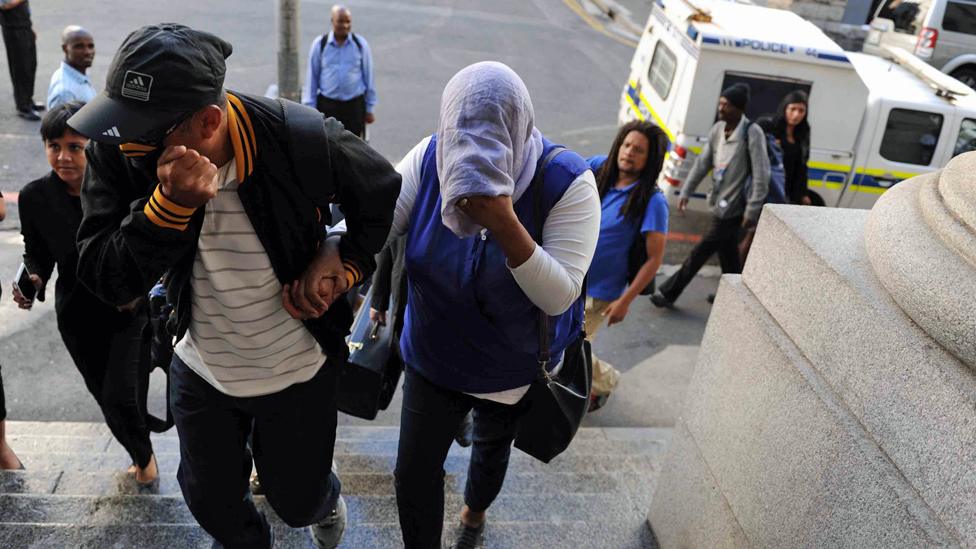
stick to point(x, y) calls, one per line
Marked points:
point(477, 280)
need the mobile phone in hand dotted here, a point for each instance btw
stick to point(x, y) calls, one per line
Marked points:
point(24, 283)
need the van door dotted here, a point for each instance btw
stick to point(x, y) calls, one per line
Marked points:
point(907, 140)
point(653, 96)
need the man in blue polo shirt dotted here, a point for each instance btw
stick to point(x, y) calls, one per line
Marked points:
point(70, 81)
point(339, 80)
point(633, 214)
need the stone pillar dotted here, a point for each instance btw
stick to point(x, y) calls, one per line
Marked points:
point(834, 399)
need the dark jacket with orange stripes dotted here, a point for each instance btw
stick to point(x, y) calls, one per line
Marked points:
point(131, 234)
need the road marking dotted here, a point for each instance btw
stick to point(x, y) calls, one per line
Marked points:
point(596, 25)
point(684, 237)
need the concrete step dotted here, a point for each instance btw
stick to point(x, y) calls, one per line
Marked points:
point(75, 493)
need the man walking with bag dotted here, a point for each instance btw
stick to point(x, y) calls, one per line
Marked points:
point(734, 152)
point(339, 80)
point(237, 224)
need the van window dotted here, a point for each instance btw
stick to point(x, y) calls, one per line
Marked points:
point(966, 141)
point(911, 136)
point(960, 17)
point(661, 72)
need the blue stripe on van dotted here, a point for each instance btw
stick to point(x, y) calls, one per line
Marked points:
point(692, 32)
point(833, 57)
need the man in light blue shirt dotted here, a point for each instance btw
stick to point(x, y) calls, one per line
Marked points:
point(70, 81)
point(339, 80)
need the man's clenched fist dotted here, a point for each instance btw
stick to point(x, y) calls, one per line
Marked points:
point(186, 177)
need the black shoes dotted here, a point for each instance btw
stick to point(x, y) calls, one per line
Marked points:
point(467, 537)
point(40, 107)
point(711, 298)
point(658, 299)
point(29, 114)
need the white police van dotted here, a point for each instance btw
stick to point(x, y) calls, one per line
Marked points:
point(875, 121)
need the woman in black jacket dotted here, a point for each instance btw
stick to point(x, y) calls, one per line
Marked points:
point(109, 345)
point(792, 131)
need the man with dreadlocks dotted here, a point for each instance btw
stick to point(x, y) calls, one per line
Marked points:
point(634, 218)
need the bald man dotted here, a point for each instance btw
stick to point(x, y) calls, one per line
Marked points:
point(70, 82)
point(339, 80)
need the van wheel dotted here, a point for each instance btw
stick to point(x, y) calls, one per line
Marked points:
point(966, 75)
point(815, 199)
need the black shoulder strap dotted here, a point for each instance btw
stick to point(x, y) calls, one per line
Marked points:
point(309, 148)
point(325, 38)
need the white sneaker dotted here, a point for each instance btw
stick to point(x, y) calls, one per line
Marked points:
point(328, 533)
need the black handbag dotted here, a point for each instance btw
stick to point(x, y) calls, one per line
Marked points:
point(556, 403)
point(371, 373)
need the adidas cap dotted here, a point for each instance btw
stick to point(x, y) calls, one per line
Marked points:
point(159, 73)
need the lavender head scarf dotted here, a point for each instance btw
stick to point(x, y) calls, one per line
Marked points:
point(487, 143)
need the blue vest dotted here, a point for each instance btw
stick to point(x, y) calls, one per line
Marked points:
point(469, 327)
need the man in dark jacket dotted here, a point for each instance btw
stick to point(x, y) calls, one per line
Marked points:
point(238, 226)
point(735, 153)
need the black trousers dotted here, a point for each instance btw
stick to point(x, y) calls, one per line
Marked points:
point(722, 237)
point(111, 351)
point(351, 113)
point(430, 419)
point(18, 39)
point(292, 439)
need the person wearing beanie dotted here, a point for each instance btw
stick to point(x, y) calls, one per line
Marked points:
point(228, 195)
point(734, 153)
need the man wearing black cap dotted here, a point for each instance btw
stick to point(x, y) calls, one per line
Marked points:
point(734, 152)
point(214, 190)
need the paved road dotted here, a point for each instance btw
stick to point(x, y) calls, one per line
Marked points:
point(573, 72)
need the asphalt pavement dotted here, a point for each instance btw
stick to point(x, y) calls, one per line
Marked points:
point(573, 71)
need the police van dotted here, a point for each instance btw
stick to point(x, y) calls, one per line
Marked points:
point(874, 120)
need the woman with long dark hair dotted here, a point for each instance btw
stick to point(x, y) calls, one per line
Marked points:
point(792, 131)
point(633, 213)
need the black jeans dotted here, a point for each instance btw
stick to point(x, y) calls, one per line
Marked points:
point(111, 351)
point(18, 39)
point(351, 113)
point(430, 419)
point(292, 438)
point(722, 237)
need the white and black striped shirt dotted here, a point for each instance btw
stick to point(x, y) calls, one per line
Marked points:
point(241, 339)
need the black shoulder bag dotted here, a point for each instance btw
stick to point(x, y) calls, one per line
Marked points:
point(556, 403)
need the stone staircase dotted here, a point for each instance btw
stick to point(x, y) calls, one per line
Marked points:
point(73, 493)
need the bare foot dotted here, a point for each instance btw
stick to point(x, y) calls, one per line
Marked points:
point(147, 474)
point(8, 459)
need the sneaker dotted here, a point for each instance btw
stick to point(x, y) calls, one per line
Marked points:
point(328, 533)
point(658, 299)
point(467, 537)
point(465, 433)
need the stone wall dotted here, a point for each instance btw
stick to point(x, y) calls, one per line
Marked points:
point(834, 398)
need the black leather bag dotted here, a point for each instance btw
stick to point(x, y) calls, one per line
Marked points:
point(556, 403)
point(370, 375)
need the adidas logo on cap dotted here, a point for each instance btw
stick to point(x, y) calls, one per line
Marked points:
point(136, 85)
point(112, 132)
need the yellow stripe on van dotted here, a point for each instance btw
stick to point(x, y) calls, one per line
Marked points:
point(657, 118)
